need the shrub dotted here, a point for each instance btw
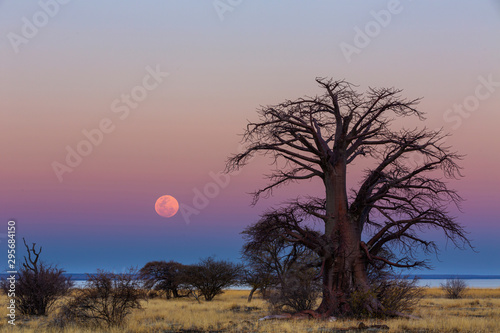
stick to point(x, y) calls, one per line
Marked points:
point(396, 294)
point(38, 285)
point(297, 291)
point(107, 300)
point(454, 288)
point(210, 277)
point(399, 295)
point(154, 294)
point(358, 301)
point(294, 295)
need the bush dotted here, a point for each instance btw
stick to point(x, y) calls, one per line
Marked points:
point(396, 294)
point(210, 277)
point(399, 294)
point(357, 302)
point(38, 286)
point(298, 289)
point(107, 300)
point(296, 293)
point(454, 288)
point(154, 293)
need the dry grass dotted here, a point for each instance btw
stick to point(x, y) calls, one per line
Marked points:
point(478, 312)
point(470, 293)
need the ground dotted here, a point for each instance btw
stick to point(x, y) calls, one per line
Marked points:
point(478, 312)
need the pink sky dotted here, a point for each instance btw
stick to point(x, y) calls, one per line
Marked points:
point(65, 79)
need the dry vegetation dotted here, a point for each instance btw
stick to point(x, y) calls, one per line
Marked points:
point(478, 312)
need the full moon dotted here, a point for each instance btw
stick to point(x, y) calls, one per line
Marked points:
point(166, 206)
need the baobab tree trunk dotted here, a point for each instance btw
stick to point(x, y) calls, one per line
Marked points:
point(344, 268)
point(344, 273)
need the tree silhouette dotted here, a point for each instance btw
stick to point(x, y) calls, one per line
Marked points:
point(272, 260)
point(210, 277)
point(167, 276)
point(107, 300)
point(319, 137)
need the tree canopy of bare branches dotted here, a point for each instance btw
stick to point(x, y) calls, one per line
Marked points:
point(403, 193)
point(283, 271)
point(107, 300)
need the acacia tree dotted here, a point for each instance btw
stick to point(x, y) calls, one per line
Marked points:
point(319, 137)
point(167, 276)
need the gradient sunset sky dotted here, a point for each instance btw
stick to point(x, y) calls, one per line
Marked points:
point(214, 63)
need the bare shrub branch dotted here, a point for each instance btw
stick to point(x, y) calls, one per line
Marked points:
point(454, 288)
point(107, 300)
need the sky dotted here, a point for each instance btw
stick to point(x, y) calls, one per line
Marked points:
point(106, 106)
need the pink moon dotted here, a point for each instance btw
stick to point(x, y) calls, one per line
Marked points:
point(166, 206)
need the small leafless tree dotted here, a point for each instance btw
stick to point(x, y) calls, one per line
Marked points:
point(290, 269)
point(321, 137)
point(298, 290)
point(268, 258)
point(454, 288)
point(258, 279)
point(38, 285)
point(107, 300)
point(209, 277)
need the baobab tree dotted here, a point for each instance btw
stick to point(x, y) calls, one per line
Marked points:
point(394, 202)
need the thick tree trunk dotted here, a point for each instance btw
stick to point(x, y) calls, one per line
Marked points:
point(344, 273)
point(344, 270)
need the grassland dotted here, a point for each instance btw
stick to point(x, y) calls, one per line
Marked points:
point(478, 312)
